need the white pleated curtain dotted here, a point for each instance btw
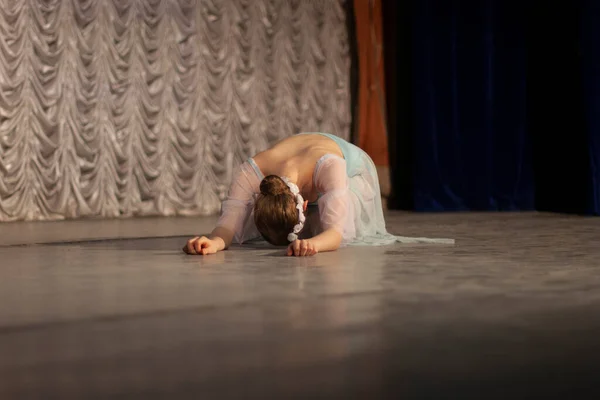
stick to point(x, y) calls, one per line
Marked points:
point(144, 107)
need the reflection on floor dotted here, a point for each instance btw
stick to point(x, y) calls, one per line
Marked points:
point(511, 310)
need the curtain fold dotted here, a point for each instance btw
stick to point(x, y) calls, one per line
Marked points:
point(115, 108)
point(371, 134)
point(471, 145)
point(371, 119)
point(590, 53)
point(556, 107)
point(499, 106)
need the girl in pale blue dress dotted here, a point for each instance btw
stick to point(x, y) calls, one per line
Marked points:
point(348, 202)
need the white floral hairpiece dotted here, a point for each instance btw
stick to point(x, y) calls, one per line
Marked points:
point(299, 206)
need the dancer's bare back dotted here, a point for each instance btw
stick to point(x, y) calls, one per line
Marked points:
point(295, 158)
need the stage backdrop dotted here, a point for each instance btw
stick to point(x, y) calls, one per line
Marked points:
point(497, 105)
point(144, 107)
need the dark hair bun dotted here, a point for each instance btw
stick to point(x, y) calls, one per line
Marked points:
point(273, 185)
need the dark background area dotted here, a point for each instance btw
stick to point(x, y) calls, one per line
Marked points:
point(493, 105)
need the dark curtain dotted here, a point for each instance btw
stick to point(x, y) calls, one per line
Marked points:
point(397, 48)
point(556, 115)
point(497, 105)
point(590, 50)
point(352, 40)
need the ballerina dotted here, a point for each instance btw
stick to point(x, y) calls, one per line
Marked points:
point(311, 192)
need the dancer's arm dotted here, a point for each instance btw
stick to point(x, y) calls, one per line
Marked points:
point(220, 239)
point(329, 240)
point(222, 236)
point(234, 214)
point(331, 180)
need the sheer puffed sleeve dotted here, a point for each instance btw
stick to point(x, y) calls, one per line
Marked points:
point(237, 210)
point(331, 181)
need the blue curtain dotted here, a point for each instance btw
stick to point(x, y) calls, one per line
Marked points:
point(556, 107)
point(503, 107)
point(591, 77)
point(473, 152)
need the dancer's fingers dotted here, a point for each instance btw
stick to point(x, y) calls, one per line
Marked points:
point(297, 248)
point(190, 245)
point(200, 244)
point(303, 248)
point(208, 250)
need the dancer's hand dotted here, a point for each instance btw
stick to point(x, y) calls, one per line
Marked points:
point(302, 248)
point(201, 245)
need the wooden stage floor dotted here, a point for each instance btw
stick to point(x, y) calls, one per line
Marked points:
point(113, 309)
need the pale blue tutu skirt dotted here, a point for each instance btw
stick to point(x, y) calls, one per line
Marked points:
point(365, 197)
